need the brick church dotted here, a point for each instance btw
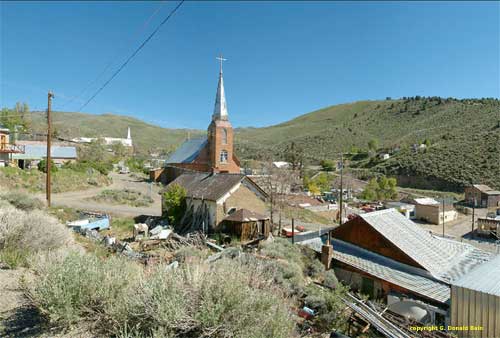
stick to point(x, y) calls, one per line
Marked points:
point(216, 191)
point(212, 154)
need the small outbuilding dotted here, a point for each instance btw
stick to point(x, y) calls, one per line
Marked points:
point(247, 224)
point(475, 302)
point(431, 211)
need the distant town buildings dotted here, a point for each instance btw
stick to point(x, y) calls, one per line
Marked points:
point(127, 142)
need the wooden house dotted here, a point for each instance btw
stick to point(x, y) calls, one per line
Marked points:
point(247, 225)
point(481, 195)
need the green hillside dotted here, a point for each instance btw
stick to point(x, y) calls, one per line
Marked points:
point(464, 137)
point(145, 136)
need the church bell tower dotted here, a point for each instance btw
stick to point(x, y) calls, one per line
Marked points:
point(220, 134)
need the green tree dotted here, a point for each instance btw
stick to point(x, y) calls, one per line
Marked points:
point(16, 118)
point(370, 191)
point(380, 189)
point(174, 203)
point(42, 166)
point(327, 165)
point(373, 144)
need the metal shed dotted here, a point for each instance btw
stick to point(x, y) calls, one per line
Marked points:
point(475, 302)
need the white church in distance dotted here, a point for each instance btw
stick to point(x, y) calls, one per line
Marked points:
point(127, 142)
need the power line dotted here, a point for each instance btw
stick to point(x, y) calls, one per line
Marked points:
point(112, 61)
point(132, 56)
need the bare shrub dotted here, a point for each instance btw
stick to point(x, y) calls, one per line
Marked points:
point(22, 201)
point(222, 299)
point(28, 232)
point(75, 286)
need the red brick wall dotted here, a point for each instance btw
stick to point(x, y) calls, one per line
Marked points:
point(216, 145)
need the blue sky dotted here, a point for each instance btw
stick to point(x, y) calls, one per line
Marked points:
point(284, 58)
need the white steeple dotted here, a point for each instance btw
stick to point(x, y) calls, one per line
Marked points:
point(220, 110)
point(128, 134)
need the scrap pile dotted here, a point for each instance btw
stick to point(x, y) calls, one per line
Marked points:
point(174, 241)
point(114, 245)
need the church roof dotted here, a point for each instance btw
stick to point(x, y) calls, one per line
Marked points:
point(188, 151)
point(220, 109)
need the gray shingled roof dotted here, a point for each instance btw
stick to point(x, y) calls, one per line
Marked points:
point(445, 259)
point(207, 186)
point(405, 276)
point(188, 151)
point(484, 278)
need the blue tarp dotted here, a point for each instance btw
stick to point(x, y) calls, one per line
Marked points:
point(99, 224)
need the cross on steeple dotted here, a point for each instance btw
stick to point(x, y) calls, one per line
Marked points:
point(221, 59)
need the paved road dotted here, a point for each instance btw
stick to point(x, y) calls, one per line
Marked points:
point(78, 199)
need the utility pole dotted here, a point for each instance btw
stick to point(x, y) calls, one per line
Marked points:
point(49, 140)
point(443, 216)
point(473, 220)
point(341, 186)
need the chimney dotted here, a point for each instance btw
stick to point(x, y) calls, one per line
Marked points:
point(327, 253)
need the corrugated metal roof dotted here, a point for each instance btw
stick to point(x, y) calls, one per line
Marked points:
point(445, 259)
point(188, 151)
point(37, 152)
point(484, 278)
point(405, 276)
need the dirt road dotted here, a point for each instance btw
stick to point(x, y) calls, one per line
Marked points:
point(79, 199)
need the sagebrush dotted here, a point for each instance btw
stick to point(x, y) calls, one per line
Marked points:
point(23, 233)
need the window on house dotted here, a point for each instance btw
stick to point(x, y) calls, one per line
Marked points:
point(224, 156)
point(224, 136)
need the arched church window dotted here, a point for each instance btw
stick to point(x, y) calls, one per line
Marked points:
point(224, 156)
point(224, 136)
